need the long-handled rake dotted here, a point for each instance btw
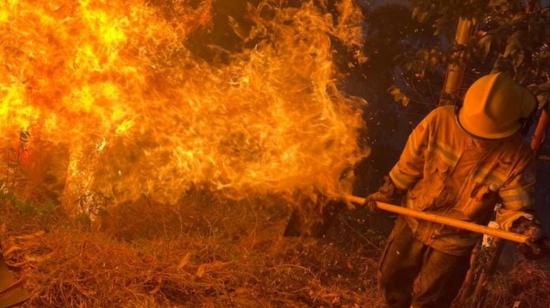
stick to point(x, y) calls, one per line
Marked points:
point(448, 221)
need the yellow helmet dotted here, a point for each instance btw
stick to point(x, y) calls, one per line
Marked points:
point(494, 106)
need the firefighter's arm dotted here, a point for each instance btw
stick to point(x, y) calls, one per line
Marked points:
point(517, 194)
point(516, 213)
point(408, 170)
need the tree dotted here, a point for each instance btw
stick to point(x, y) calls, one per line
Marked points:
point(510, 35)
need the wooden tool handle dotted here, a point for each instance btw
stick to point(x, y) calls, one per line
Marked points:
point(452, 222)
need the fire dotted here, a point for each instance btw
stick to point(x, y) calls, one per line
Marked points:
point(113, 95)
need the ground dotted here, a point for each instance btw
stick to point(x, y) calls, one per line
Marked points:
point(211, 253)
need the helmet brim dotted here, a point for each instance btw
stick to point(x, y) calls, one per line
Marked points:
point(472, 129)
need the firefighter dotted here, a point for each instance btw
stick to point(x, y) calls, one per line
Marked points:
point(458, 162)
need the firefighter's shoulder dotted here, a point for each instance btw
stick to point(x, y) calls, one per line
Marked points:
point(439, 115)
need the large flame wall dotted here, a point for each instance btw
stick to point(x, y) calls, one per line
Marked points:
point(112, 94)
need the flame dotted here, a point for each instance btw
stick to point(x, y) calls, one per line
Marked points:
point(139, 113)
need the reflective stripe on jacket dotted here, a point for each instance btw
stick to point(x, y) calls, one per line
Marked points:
point(448, 172)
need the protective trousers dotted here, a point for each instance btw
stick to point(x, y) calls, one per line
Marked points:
point(412, 274)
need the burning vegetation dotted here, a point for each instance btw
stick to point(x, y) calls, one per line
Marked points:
point(123, 104)
point(152, 152)
point(124, 114)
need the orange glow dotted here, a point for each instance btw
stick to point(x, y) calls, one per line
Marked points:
point(114, 83)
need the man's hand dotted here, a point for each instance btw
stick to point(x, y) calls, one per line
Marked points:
point(533, 248)
point(388, 192)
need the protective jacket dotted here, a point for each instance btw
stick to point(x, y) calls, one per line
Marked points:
point(448, 172)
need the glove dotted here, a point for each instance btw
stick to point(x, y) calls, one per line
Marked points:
point(533, 249)
point(388, 192)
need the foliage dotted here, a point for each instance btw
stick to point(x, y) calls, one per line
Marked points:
point(42, 213)
point(398, 96)
point(509, 35)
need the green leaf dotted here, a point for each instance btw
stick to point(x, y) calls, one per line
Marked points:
point(485, 44)
point(399, 96)
point(513, 45)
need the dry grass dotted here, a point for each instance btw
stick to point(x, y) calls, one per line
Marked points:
point(210, 253)
point(149, 255)
point(526, 285)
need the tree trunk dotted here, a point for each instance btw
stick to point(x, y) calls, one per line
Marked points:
point(457, 65)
